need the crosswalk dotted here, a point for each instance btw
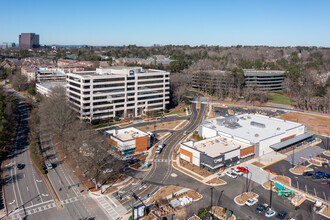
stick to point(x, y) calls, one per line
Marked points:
point(112, 207)
point(162, 160)
point(49, 205)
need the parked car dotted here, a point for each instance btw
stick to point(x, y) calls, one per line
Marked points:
point(325, 165)
point(251, 202)
point(307, 173)
point(231, 174)
point(319, 173)
point(237, 172)
point(127, 157)
point(20, 166)
point(326, 176)
point(281, 215)
point(49, 166)
point(262, 207)
point(107, 170)
point(270, 213)
point(243, 169)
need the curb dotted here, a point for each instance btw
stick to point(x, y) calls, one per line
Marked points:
point(257, 196)
point(298, 174)
point(3, 192)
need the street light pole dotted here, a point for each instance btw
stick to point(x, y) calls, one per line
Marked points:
point(247, 179)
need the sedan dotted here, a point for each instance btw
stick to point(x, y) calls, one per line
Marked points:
point(243, 169)
point(319, 173)
point(49, 166)
point(326, 176)
point(281, 215)
point(231, 174)
point(127, 157)
point(237, 172)
point(251, 202)
point(270, 213)
point(20, 166)
point(107, 171)
point(307, 174)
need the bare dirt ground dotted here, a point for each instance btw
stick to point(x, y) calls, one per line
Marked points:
point(266, 185)
point(327, 153)
point(325, 211)
point(161, 125)
point(322, 160)
point(163, 192)
point(283, 179)
point(315, 123)
point(216, 181)
point(194, 168)
point(258, 164)
point(218, 212)
point(300, 169)
point(242, 198)
point(315, 162)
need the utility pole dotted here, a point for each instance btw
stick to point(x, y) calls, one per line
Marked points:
point(271, 194)
point(211, 200)
point(293, 156)
point(247, 180)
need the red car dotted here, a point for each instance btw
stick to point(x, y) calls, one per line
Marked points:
point(243, 169)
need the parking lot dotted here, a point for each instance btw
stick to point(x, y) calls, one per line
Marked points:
point(317, 187)
point(278, 203)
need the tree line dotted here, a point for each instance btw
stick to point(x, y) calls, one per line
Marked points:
point(84, 147)
point(8, 120)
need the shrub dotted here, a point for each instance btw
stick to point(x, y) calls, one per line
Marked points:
point(116, 118)
point(166, 110)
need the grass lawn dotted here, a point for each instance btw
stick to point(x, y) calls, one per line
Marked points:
point(278, 99)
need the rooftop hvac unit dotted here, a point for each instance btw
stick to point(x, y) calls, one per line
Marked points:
point(278, 128)
point(256, 135)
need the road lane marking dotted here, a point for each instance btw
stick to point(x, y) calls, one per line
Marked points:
point(45, 195)
point(306, 188)
point(297, 185)
point(38, 181)
point(11, 202)
point(27, 188)
point(11, 172)
point(136, 195)
point(315, 192)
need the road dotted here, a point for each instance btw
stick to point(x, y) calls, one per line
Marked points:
point(162, 169)
point(27, 195)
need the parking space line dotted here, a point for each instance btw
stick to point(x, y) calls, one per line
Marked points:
point(315, 192)
point(306, 188)
point(297, 185)
point(325, 198)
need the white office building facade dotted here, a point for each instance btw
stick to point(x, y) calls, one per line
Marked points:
point(117, 91)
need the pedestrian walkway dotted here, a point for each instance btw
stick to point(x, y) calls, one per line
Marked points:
point(258, 174)
point(112, 207)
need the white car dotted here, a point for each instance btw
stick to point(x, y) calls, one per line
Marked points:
point(127, 157)
point(251, 202)
point(107, 170)
point(49, 166)
point(270, 213)
point(231, 174)
point(237, 172)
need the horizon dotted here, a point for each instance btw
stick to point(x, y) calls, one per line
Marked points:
point(193, 23)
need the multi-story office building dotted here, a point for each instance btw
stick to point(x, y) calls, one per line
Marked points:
point(28, 40)
point(264, 80)
point(117, 91)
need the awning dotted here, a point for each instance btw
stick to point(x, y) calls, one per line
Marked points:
point(291, 141)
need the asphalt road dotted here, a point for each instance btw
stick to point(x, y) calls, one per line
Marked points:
point(160, 172)
point(27, 195)
point(23, 188)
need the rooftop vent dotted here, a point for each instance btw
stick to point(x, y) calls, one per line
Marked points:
point(278, 128)
point(256, 135)
point(257, 124)
point(249, 117)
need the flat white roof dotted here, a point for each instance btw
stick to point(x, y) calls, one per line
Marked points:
point(50, 85)
point(250, 127)
point(215, 146)
point(127, 134)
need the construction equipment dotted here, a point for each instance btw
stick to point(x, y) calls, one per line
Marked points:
point(286, 193)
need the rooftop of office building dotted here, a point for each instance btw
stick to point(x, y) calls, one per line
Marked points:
point(251, 72)
point(250, 127)
point(116, 70)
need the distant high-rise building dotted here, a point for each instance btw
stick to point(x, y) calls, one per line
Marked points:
point(28, 40)
point(8, 45)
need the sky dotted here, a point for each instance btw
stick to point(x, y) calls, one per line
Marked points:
point(177, 22)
